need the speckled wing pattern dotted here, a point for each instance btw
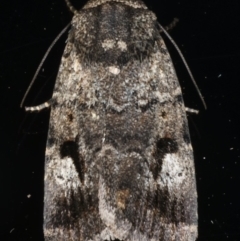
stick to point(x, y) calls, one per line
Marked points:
point(119, 162)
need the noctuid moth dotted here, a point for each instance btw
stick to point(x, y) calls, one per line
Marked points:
point(119, 161)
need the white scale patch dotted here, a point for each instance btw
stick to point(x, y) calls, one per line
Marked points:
point(108, 44)
point(77, 66)
point(122, 45)
point(94, 116)
point(172, 175)
point(163, 97)
point(65, 173)
point(114, 70)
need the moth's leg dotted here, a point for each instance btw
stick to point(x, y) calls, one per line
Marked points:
point(45, 105)
point(189, 110)
point(172, 24)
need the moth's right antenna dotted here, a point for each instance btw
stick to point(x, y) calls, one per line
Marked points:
point(185, 63)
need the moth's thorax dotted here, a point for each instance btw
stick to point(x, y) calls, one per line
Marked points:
point(103, 33)
point(131, 3)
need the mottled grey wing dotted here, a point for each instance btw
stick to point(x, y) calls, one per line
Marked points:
point(119, 162)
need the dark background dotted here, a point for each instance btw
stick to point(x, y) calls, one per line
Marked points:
point(209, 36)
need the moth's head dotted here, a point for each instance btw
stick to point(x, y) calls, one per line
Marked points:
point(132, 3)
point(95, 3)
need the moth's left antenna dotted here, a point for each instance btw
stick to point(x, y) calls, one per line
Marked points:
point(41, 63)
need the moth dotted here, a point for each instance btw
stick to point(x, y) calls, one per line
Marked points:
point(119, 162)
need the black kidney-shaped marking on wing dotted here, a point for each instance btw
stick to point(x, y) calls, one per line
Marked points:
point(71, 149)
point(163, 146)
